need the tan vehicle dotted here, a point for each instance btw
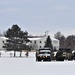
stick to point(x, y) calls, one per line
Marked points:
point(64, 54)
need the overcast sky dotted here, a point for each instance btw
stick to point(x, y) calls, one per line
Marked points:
point(38, 16)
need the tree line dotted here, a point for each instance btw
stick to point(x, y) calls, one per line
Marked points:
point(18, 39)
point(66, 42)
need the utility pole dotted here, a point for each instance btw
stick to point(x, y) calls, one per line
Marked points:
point(46, 32)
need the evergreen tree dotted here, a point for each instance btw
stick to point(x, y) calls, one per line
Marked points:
point(49, 43)
point(17, 39)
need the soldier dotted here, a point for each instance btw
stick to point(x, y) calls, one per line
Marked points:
point(27, 54)
point(11, 54)
point(0, 54)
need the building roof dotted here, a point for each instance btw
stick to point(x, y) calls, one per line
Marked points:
point(34, 38)
point(3, 37)
point(38, 38)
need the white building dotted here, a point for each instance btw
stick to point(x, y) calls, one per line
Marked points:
point(36, 42)
point(39, 42)
point(2, 41)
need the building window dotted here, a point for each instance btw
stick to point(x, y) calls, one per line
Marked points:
point(3, 41)
point(40, 46)
point(40, 42)
point(34, 41)
point(4, 46)
point(30, 41)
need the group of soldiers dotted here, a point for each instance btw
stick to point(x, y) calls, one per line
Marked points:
point(63, 54)
point(26, 54)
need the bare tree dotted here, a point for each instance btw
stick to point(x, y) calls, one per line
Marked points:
point(61, 39)
point(70, 42)
point(58, 35)
point(62, 42)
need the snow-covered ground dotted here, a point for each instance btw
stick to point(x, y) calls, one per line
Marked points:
point(28, 66)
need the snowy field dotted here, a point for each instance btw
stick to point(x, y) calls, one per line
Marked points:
point(28, 66)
